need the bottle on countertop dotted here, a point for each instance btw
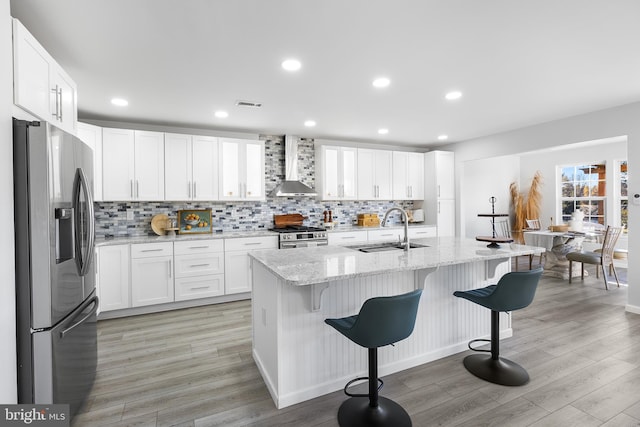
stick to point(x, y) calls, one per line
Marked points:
point(324, 216)
point(330, 216)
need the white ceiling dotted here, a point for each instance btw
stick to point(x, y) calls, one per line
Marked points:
point(518, 63)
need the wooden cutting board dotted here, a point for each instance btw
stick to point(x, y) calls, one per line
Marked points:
point(282, 221)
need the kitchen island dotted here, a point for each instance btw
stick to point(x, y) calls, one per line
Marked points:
point(300, 357)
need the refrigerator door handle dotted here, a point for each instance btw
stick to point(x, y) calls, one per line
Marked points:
point(93, 301)
point(83, 260)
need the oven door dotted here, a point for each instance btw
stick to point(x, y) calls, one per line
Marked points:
point(303, 244)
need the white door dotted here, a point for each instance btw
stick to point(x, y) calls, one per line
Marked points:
point(366, 174)
point(149, 165)
point(229, 170)
point(237, 273)
point(204, 168)
point(92, 136)
point(348, 173)
point(66, 99)
point(117, 164)
point(177, 172)
point(253, 172)
point(400, 183)
point(151, 280)
point(113, 277)
point(446, 217)
point(415, 175)
point(382, 174)
point(445, 175)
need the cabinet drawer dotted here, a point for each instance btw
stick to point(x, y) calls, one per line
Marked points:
point(347, 237)
point(422, 232)
point(198, 247)
point(385, 235)
point(199, 287)
point(251, 243)
point(199, 265)
point(146, 250)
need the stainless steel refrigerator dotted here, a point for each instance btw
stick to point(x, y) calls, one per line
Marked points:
point(55, 274)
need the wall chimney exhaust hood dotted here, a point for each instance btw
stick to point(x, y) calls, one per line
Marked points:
point(291, 186)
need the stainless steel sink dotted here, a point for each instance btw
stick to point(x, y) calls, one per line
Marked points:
point(383, 247)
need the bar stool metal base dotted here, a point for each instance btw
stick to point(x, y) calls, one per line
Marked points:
point(501, 371)
point(356, 412)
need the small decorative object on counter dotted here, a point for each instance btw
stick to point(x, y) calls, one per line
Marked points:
point(330, 217)
point(325, 217)
point(194, 221)
point(368, 220)
point(159, 224)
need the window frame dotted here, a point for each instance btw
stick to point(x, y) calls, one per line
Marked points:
point(564, 218)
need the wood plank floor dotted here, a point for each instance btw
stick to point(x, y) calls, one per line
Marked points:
point(193, 367)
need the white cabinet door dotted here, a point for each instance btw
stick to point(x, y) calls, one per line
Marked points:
point(205, 168)
point(117, 164)
point(445, 175)
point(92, 136)
point(65, 101)
point(374, 174)
point(113, 277)
point(40, 85)
point(149, 165)
point(151, 280)
point(446, 217)
point(177, 170)
point(422, 232)
point(408, 175)
point(241, 169)
point(338, 173)
point(237, 274)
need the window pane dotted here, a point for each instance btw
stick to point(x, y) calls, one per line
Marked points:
point(568, 189)
point(568, 208)
point(624, 218)
point(623, 179)
point(568, 174)
point(596, 207)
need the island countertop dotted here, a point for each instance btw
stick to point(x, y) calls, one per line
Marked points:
point(306, 266)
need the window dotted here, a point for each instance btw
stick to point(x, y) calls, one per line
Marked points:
point(624, 200)
point(583, 188)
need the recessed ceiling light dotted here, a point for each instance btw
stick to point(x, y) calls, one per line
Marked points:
point(381, 82)
point(120, 102)
point(221, 114)
point(383, 131)
point(291, 65)
point(310, 123)
point(443, 137)
point(456, 94)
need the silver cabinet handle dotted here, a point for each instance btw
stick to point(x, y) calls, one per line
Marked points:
point(170, 265)
point(348, 237)
point(199, 265)
point(58, 93)
point(198, 247)
point(252, 244)
point(131, 187)
point(438, 207)
point(388, 234)
point(438, 190)
point(60, 101)
point(137, 189)
point(151, 250)
point(195, 288)
point(189, 189)
point(194, 190)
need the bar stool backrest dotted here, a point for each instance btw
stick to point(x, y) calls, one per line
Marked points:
point(514, 290)
point(385, 320)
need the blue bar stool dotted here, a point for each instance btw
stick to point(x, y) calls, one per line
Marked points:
point(381, 321)
point(514, 291)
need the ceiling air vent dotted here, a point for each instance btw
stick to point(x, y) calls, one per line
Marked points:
point(248, 104)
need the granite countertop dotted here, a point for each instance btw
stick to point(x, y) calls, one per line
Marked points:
point(343, 228)
point(306, 266)
point(102, 241)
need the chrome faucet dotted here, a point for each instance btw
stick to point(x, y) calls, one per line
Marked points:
point(406, 224)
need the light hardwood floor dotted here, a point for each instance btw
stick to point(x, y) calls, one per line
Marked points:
point(193, 367)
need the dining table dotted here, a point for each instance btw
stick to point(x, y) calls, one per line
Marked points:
point(557, 245)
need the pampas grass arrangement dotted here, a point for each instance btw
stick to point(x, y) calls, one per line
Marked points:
point(526, 210)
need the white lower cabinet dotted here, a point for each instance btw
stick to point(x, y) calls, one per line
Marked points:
point(386, 235)
point(113, 277)
point(237, 278)
point(422, 232)
point(199, 269)
point(151, 274)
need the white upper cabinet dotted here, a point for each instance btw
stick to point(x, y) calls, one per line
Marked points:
point(132, 165)
point(408, 175)
point(374, 174)
point(41, 86)
point(92, 136)
point(241, 165)
point(336, 172)
point(191, 167)
point(439, 204)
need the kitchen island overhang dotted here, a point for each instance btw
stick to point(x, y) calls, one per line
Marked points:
point(300, 358)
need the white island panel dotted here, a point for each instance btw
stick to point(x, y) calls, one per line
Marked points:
point(300, 357)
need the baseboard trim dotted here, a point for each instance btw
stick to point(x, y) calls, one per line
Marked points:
point(632, 309)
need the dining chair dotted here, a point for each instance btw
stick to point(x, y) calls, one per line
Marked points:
point(534, 225)
point(503, 229)
point(602, 258)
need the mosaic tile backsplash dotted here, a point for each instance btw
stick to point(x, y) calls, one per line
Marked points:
point(111, 217)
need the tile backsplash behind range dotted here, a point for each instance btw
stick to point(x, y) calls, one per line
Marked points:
point(111, 217)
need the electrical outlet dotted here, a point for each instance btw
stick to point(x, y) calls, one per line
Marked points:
point(129, 214)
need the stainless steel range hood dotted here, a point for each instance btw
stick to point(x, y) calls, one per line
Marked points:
point(291, 186)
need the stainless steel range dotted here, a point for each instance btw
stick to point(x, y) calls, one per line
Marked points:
point(301, 236)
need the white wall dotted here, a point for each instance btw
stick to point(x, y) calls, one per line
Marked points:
point(613, 122)
point(481, 180)
point(8, 390)
point(546, 163)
